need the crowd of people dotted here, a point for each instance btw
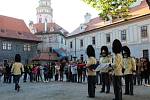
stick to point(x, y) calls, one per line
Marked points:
point(105, 71)
point(116, 68)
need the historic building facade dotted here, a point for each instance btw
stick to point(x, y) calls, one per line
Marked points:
point(52, 35)
point(16, 38)
point(133, 31)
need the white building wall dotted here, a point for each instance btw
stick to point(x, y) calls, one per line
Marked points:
point(55, 41)
point(134, 41)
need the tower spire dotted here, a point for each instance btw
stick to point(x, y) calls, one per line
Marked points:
point(44, 11)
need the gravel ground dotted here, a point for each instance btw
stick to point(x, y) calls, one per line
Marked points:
point(63, 91)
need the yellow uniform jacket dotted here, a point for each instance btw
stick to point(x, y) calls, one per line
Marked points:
point(91, 61)
point(118, 65)
point(17, 68)
point(105, 60)
point(129, 65)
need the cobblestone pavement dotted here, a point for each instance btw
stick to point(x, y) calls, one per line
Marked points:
point(63, 91)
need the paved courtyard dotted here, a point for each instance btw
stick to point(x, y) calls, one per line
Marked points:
point(63, 91)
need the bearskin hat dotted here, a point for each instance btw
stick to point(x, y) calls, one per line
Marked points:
point(105, 49)
point(90, 51)
point(17, 58)
point(127, 50)
point(116, 46)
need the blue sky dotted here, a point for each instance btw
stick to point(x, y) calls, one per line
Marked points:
point(67, 13)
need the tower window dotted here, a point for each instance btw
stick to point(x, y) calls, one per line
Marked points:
point(40, 20)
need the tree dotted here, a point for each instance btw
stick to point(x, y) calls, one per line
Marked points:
point(111, 8)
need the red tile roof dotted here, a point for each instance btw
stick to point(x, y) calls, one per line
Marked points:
point(14, 28)
point(97, 22)
point(40, 27)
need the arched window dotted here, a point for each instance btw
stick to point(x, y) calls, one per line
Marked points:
point(40, 20)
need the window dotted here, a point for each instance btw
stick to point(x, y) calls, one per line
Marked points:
point(70, 44)
point(107, 38)
point(93, 40)
point(50, 39)
point(71, 58)
point(144, 33)
point(61, 40)
point(2, 30)
point(40, 20)
point(27, 47)
point(9, 46)
point(50, 49)
point(65, 42)
point(81, 43)
point(123, 35)
point(4, 46)
point(145, 53)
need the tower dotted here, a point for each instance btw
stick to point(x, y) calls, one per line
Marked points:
point(44, 11)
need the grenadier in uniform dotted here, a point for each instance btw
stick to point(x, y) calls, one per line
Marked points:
point(91, 72)
point(129, 68)
point(117, 66)
point(105, 59)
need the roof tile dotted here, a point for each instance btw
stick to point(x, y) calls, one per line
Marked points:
point(97, 22)
point(15, 29)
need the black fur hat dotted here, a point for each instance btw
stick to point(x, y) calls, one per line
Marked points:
point(126, 50)
point(17, 58)
point(90, 51)
point(105, 49)
point(116, 46)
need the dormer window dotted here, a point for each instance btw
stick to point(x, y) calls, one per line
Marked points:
point(2, 30)
point(19, 33)
point(82, 27)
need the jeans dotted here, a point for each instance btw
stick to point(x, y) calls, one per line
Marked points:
point(16, 80)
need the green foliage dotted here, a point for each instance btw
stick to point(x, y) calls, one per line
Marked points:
point(113, 8)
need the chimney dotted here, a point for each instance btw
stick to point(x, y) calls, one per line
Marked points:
point(87, 17)
point(110, 18)
point(31, 23)
point(31, 27)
